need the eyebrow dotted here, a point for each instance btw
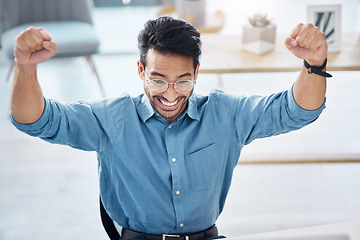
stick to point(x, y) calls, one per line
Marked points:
point(164, 76)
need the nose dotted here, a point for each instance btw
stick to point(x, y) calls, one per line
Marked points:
point(171, 94)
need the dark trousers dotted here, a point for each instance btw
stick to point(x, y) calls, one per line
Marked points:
point(210, 233)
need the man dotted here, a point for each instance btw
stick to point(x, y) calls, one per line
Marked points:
point(166, 157)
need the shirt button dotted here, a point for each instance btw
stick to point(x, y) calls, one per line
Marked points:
point(181, 224)
point(177, 192)
point(170, 126)
point(173, 159)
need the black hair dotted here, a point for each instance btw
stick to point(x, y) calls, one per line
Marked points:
point(168, 35)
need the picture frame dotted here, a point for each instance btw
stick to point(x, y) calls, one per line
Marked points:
point(328, 19)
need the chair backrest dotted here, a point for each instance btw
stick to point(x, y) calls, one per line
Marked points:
point(17, 12)
point(108, 223)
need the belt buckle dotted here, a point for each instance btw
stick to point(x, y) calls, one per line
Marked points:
point(171, 235)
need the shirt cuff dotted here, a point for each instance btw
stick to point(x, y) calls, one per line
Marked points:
point(301, 113)
point(31, 128)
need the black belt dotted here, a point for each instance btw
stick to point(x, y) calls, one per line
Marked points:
point(212, 232)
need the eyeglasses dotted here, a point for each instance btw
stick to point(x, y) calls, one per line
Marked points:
point(160, 85)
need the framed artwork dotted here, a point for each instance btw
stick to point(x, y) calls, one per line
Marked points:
point(328, 19)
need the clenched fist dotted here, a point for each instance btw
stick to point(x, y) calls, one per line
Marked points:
point(34, 46)
point(307, 42)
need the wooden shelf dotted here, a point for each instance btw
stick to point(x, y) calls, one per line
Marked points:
point(224, 54)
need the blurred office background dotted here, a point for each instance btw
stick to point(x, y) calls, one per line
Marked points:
point(51, 192)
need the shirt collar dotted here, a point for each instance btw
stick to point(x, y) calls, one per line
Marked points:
point(146, 110)
point(192, 109)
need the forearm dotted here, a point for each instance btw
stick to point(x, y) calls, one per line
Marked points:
point(27, 102)
point(32, 46)
point(309, 90)
point(308, 43)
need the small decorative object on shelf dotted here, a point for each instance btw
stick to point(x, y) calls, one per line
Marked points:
point(328, 19)
point(259, 35)
point(193, 11)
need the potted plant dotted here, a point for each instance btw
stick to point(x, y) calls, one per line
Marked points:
point(259, 35)
point(193, 11)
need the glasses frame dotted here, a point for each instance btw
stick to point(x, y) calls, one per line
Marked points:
point(167, 83)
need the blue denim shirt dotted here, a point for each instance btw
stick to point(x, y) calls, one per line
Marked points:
point(159, 177)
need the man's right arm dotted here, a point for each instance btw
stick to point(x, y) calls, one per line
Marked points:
point(32, 46)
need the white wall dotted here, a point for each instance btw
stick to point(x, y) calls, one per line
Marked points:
point(285, 13)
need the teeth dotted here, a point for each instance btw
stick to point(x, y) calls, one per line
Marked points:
point(168, 103)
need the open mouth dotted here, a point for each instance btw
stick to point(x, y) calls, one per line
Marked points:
point(169, 104)
point(166, 105)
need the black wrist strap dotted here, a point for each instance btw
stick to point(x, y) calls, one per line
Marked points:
point(317, 70)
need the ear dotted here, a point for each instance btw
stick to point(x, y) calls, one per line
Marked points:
point(196, 71)
point(140, 69)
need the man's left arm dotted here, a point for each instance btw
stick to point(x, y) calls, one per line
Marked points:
point(308, 42)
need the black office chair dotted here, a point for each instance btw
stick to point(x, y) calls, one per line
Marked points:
point(108, 223)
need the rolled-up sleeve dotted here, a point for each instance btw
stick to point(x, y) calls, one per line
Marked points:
point(75, 125)
point(300, 113)
point(273, 115)
point(247, 118)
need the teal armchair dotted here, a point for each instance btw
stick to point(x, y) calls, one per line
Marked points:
point(68, 21)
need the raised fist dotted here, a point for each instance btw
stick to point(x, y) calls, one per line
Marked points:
point(34, 46)
point(307, 42)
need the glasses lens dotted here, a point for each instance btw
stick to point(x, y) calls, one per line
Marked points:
point(184, 86)
point(158, 85)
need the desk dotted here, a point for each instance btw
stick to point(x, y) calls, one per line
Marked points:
point(224, 54)
point(351, 229)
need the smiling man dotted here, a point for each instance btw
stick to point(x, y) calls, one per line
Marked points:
point(166, 157)
point(168, 97)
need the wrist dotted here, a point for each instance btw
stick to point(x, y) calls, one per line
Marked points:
point(316, 63)
point(27, 66)
point(318, 70)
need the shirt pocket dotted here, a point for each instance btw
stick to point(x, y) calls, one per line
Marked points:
point(203, 167)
